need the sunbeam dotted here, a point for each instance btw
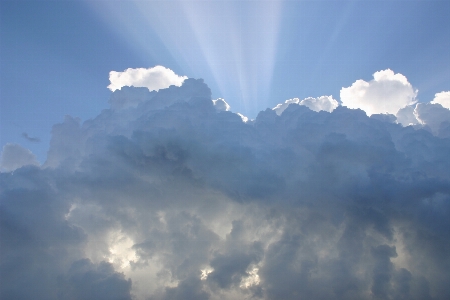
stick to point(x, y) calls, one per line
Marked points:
point(235, 41)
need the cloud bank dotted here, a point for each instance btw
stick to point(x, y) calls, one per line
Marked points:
point(175, 197)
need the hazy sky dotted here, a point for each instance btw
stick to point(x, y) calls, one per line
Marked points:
point(225, 150)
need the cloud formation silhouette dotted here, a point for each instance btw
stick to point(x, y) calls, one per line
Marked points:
point(175, 197)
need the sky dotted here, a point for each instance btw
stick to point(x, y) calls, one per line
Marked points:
point(56, 55)
point(224, 149)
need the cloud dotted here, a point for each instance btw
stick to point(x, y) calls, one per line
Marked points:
point(221, 105)
point(173, 198)
point(15, 156)
point(30, 139)
point(84, 280)
point(429, 116)
point(279, 108)
point(407, 116)
point(442, 98)
point(154, 79)
point(128, 97)
point(388, 92)
point(244, 118)
point(325, 103)
point(433, 116)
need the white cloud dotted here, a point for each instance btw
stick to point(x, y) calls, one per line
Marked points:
point(442, 98)
point(326, 103)
point(154, 79)
point(15, 156)
point(386, 93)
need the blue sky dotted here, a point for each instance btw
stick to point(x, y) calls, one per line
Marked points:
point(56, 55)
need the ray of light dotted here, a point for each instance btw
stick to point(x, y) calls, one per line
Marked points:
point(233, 42)
point(239, 42)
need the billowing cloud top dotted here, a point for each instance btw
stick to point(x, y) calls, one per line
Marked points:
point(442, 98)
point(325, 103)
point(386, 93)
point(173, 198)
point(154, 79)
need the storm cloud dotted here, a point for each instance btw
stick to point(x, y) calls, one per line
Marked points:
point(170, 195)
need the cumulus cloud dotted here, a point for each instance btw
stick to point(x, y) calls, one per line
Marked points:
point(388, 92)
point(325, 103)
point(128, 97)
point(15, 156)
point(433, 116)
point(442, 98)
point(173, 198)
point(407, 116)
point(279, 108)
point(429, 116)
point(154, 79)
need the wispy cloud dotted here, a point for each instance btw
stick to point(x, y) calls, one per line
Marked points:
point(31, 139)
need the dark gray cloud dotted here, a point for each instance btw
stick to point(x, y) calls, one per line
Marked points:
point(86, 281)
point(172, 198)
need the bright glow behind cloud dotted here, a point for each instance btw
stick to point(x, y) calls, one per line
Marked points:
point(386, 93)
point(221, 105)
point(154, 79)
point(239, 46)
